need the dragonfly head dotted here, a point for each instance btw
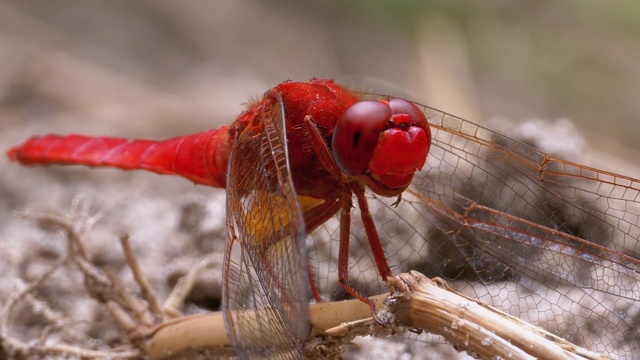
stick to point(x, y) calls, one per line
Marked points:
point(382, 143)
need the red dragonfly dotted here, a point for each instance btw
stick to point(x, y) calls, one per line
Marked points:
point(553, 242)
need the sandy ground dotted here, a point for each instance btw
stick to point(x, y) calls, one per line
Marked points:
point(156, 71)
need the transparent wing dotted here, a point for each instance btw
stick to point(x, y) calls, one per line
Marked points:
point(266, 290)
point(552, 242)
point(566, 234)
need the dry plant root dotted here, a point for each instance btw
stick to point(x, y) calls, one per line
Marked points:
point(138, 314)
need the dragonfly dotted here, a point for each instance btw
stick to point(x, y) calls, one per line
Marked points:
point(331, 191)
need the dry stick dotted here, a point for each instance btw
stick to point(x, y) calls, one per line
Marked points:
point(57, 321)
point(105, 286)
point(207, 331)
point(184, 285)
point(17, 347)
point(100, 286)
point(184, 333)
point(147, 292)
point(126, 322)
point(15, 298)
point(21, 350)
point(418, 303)
point(472, 325)
point(97, 283)
point(77, 252)
point(132, 302)
point(79, 214)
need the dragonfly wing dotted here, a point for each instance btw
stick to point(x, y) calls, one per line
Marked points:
point(508, 190)
point(266, 289)
point(565, 233)
point(552, 242)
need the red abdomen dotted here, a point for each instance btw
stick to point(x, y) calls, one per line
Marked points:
point(201, 158)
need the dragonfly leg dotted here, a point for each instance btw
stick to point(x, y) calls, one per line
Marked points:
point(312, 283)
point(315, 217)
point(343, 259)
point(327, 160)
point(397, 202)
point(372, 234)
point(322, 151)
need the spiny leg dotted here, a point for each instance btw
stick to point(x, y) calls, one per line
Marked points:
point(372, 234)
point(327, 160)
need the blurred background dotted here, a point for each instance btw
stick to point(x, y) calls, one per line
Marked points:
point(188, 65)
point(160, 68)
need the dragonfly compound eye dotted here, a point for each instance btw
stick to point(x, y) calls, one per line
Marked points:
point(356, 135)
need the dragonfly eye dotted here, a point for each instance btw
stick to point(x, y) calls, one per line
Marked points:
point(356, 135)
